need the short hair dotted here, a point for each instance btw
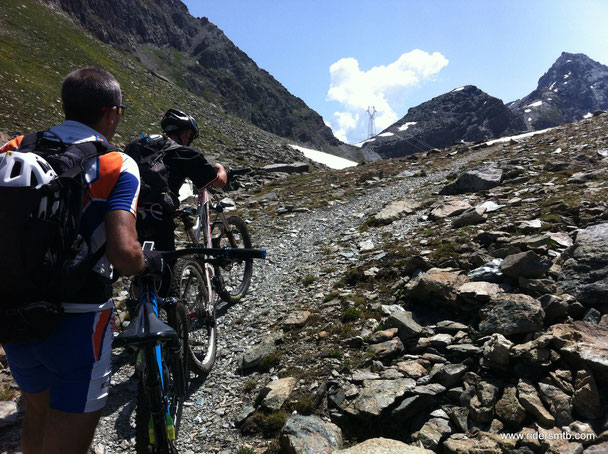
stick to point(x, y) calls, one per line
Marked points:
point(86, 91)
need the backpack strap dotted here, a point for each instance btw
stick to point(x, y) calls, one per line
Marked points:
point(76, 155)
point(29, 141)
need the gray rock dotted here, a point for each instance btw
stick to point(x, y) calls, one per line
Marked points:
point(448, 375)
point(478, 292)
point(585, 273)
point(361, 375)
point(475, 180)
point(586, 399)
point(448, 207)
point(395, 210)
point(489, 272)
point(412, 369)
point(8, 413)
point(529, 399)
point(512, 314)
point(274, 394)
point(432, 432)
point(584, 346)
point(254, 356)
point(310, 435)
point(472, 216)
point(462, 444)
point(406, 325)
point(377, 395)
point(536, 351)
point(387, 349)
point(525, 264)
point(383, 446)
point(508, 408)
point(436, 286)
point(411, 406)
point(600, 448)
point(297, 319)
point(559, 403)
point(496, 351)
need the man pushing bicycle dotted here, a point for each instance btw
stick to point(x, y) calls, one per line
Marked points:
point(165, 161)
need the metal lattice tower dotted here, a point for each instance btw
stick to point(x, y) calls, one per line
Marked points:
point(371, 127)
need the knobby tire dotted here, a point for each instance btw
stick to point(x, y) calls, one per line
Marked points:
point(234, 278)
point(189, 281)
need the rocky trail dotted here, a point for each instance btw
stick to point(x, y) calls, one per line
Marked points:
point(450, 302)
point(296, 247)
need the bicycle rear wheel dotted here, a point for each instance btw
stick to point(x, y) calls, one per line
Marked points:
point(191, 284)
point(234, 277)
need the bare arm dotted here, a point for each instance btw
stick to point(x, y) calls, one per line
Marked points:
point(222, 176)
point(122, 248)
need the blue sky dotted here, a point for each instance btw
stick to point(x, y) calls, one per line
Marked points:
point(341, 56)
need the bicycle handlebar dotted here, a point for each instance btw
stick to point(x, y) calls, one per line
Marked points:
point(226, 253)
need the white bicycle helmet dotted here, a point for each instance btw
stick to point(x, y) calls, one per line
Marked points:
point(24, 169)
point(27, 169)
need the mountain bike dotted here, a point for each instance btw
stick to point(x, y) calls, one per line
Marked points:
point(199, 282)
point(159, 332)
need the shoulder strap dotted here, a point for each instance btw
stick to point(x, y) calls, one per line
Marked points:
point(29, 141)
point(77, 154)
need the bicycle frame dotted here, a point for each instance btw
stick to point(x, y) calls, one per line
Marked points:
point(203, 222)
point(155, 338)
point(203, 225)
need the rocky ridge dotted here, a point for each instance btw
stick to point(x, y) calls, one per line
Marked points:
point(573, 87)
point(465, 114)
point(197, 56)
point(415, 317)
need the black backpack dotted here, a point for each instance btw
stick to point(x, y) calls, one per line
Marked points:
point(45, 260)
point(149, 152)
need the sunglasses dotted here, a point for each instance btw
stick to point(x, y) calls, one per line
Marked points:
point(120, 109)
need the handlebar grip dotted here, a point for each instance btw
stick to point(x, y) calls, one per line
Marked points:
point(241, 253)
point(229, 253)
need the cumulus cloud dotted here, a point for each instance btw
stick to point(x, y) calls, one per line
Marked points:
point(380, 87)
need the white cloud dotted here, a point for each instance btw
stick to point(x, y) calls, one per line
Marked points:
point(344, 121)
point(380, 87)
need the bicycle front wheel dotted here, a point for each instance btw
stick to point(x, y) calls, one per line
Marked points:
point(158, 405)
point(190, 281)
point(235, 276)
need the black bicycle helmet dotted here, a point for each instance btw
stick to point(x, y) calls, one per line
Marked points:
point(176, 120)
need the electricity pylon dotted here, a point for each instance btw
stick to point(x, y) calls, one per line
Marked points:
point(371, 128)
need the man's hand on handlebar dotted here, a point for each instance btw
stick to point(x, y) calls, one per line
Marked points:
point(154, 264)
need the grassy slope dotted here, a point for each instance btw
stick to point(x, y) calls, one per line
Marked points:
point(38, 47)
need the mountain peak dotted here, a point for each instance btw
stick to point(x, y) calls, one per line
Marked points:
point(464, 114)
point(574, 86)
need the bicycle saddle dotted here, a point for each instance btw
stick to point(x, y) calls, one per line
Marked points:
point(146, 327)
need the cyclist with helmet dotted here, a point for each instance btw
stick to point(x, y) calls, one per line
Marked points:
point(165, 161)
point(65, 377)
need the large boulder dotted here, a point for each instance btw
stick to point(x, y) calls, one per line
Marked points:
point(474, 180)
point(310, 435)
point(383, 446)
point(437, 287)
point(585, 273)
point(510, 314)
point(583, 345)
point(395, 210)
point(377, 395)
point(525, 264)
